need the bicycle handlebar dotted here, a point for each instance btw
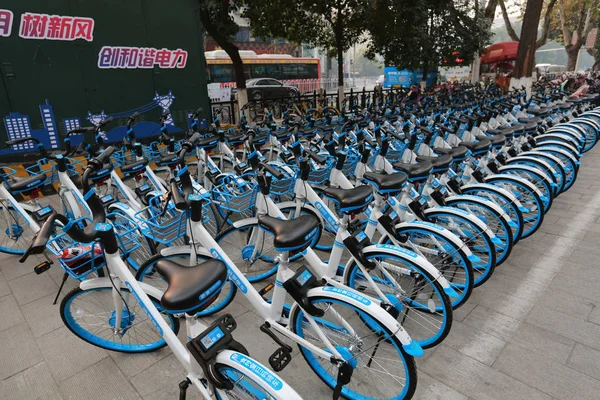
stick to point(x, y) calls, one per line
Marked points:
point(97, 230)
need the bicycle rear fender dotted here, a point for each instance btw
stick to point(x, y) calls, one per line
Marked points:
point(479, 199)
point(411, 257)
point(369, 306)
point(463, 214)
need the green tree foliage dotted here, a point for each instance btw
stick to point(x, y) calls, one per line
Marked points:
point(217, 18)
point(333, 25)
point(427, 33)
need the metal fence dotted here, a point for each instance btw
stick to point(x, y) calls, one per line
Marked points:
point(228, 112)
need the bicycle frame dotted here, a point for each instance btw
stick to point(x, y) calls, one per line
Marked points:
point(121, 278)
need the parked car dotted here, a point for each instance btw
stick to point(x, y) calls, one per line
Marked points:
point(269, 88)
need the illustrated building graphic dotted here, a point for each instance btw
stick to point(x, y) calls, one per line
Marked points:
point(50, 125)
point(18, 126)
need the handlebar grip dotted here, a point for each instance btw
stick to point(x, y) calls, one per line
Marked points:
point(272, 170)
point(105, 155)
point(316, 158)
point(21, 140)
point(178, 199)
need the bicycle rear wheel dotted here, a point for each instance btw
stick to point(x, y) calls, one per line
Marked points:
point(15, 232)
point(90, 315)
point(381, 367)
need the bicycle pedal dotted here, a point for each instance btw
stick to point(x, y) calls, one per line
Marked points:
point(280, 359)
point(42, 267)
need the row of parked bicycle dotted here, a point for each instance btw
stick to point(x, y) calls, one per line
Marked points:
point(376, 225)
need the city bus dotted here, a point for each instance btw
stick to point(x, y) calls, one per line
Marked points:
point(304, 73)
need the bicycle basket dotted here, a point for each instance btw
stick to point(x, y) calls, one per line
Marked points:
point(235, 194)
point(162, 227)
point(320, 173)
point(352, 159)
point(285, 185)
point(122, 157)
point(81, 259)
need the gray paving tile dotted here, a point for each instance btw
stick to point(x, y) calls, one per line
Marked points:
point(101, 380)
point(566, 302)
point(496, 324)
point(474, 343)
point(31, 287)
point(66, 354)
point(585, 360)
point(11, 268)
point(10, 312)
point(18, 349)
point(476, 379)
point(43, 316)
point(566, 325)
point(584, 288)
point(132, 365)
point(461, 313)
point(36, 382)
point(161, 380)
point(544, 342)
point(430, 388)
point(4, 288)
point(501, 302)
point(547, 376)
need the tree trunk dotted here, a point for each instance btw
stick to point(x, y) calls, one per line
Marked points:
point(526, 52)
point(233, 52)
point(572, 53)
point(425, 70)
point(339, 39)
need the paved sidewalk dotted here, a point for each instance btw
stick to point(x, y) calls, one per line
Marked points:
point(531, 332)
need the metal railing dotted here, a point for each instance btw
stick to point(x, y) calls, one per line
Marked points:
point(228, 111)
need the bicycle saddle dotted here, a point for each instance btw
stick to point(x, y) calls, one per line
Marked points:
point(415, 172)
point(169, 159)
point(386, 183)
point(191, 288)
point(478, 148)
point(458, 153)
point(28, 184)
point(537, 120)
point(506, 131)
point(290, 234)
point(351, 201)
point(440, 164)
point(497, 140)
point(107, 168)
point(134, 167)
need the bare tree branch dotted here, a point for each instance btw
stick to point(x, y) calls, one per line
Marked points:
point(509, 28)
point(563, 23)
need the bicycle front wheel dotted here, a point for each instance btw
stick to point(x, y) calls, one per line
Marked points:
point(381, 367)
point(91, 315)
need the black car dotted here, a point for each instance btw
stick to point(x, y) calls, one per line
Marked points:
point(268, 88)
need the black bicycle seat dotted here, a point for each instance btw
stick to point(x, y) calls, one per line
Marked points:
point(351, 201)
point(290, 234)
point(28, 184)
point(415, 172)
point(107, 168)
point(439, 163)
point(134, 167)
point(386, 183)
point(191, 289)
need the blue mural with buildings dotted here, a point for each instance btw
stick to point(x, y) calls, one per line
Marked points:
point(18, 125)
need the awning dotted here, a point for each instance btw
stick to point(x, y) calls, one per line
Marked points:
point(504, 51)
point(503, 65)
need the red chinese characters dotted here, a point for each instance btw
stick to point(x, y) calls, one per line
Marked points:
point(56, 27)
point(141, 57)
point(6, 20)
